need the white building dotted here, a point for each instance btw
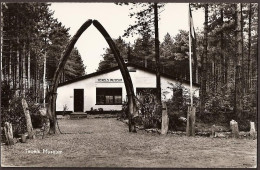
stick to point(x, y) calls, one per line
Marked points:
point(106, 90)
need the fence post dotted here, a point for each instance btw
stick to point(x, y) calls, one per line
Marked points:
point(165, 119)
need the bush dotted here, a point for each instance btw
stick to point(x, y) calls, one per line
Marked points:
point(148, 115)
point(36, 117)
point(12, 110)
point(15, 116)
point(124, 113)
point(176, 124)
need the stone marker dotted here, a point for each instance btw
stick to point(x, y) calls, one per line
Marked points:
point(9, 133)
point(165, 119)
point(23, 138)
point(28, 119)
point(252, 130)
point(234, 129)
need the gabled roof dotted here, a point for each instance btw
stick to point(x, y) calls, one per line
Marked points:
point(116, 68)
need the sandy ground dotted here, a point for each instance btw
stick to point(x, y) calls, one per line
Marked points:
point(107, 143)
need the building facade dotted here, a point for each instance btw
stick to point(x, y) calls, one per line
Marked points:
point(105, 90)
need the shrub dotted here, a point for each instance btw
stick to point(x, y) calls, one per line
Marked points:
point(15, 116)
point(12, 110)
point(36, 117)
point(124, 113)
point(176, 124)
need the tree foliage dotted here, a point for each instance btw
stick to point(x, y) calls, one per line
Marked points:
point(30, 32)
point(216, 63)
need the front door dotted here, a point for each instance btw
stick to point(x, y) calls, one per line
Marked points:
point(78, 100)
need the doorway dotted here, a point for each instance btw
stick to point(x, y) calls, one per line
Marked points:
point(78, 100)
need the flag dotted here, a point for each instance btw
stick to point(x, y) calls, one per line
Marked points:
point(192, 30)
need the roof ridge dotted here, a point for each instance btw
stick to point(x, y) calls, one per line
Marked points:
point(117, 67)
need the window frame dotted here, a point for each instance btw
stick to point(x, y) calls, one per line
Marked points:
point(105, 92)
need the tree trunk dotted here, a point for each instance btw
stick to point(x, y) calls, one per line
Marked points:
point(35, 81)
point(249, 47)
point(203, 63)
point(242, 49)
point(23, 73)
point(222, 58)
point(43, 78)
point(213, 74)
point(28, 118)
point(1, 58)
point(10, 67)
point(157, 56)
point(38, 88)
point(17, 67)
point(238, 71)
point(29, 70)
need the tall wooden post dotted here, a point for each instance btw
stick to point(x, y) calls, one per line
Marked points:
point(157, 55)
point(190, 129)
point(165, 119)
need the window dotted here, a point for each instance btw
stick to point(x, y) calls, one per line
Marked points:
point(109, 96)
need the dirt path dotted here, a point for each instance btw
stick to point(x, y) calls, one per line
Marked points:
point(107, 143)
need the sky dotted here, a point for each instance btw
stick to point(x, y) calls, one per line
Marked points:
point(115, 19)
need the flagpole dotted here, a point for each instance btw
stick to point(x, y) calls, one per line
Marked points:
point(190, 64)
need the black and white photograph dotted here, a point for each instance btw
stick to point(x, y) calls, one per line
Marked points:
point(129, 84)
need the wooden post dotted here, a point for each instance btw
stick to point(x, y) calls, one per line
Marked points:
point(165, 119)
point(157, 56)
point(23, 138)
point(252, 130)
point(28, 119)
point(9, 133)
point(190, 129)
point(213, 130)
point(234, 129)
